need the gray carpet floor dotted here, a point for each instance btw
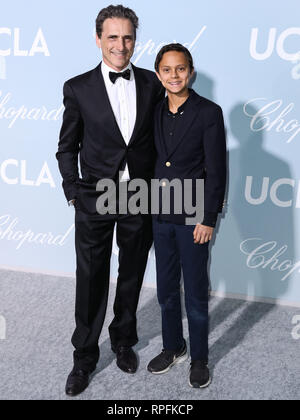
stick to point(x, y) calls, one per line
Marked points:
point(252, 352)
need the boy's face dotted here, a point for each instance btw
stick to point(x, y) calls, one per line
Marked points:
point(116, 42)
point(174, 72)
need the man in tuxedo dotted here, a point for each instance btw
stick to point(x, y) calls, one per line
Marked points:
point(107, 122)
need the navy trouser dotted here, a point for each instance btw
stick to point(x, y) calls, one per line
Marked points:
point(175, 250)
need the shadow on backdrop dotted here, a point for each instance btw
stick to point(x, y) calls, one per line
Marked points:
point(271, 225)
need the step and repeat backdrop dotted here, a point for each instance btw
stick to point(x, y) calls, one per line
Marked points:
point(247, 59)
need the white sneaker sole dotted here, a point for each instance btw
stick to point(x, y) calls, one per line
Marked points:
point(202, 386)
point(179, 360)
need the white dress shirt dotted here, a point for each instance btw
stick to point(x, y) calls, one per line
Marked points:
point(122, 97)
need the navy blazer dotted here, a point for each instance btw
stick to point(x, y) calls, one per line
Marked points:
point(198, 153)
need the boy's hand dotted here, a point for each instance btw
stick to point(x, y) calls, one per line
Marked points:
point(202, 234)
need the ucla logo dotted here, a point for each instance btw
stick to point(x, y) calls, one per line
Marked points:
point(13, 172)
point(2, 68)
point(11, 45)
point(272, 191)
point(11, 38)
point(276, 42)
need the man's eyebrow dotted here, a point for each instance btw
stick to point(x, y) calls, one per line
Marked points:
point(116, 36)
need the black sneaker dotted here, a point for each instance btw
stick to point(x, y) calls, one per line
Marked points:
point(166, 359)
point(199, 375)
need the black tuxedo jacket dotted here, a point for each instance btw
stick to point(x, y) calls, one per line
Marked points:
point(90, 130)
point(198, 153)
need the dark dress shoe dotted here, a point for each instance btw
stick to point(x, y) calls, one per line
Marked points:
point(77, 382)
point(126, 359)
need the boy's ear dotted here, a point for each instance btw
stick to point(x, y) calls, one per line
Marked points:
point(157, 74)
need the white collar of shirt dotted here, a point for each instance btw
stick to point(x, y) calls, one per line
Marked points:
point(106, 69)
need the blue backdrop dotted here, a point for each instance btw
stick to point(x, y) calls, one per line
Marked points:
point(247, 58)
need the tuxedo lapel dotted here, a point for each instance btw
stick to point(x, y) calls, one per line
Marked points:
point(99, 101)
point(143, 96)
point(108, 113)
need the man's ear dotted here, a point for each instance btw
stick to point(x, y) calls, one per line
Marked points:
point(157, 74)
point(98, 41)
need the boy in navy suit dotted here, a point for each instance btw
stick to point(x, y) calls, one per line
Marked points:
point(190, 143)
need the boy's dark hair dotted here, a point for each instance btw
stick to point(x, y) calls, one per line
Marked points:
point(174, 47)
point(116, 12)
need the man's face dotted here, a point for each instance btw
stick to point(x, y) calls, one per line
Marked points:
point(116, 42)
point(174, 72)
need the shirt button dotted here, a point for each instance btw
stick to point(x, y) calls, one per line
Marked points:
point(171, 134)
point(168, 164)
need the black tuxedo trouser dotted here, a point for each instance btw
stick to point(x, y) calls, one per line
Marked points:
point(93, 242)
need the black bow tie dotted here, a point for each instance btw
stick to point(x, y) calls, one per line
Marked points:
point(125, 74)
